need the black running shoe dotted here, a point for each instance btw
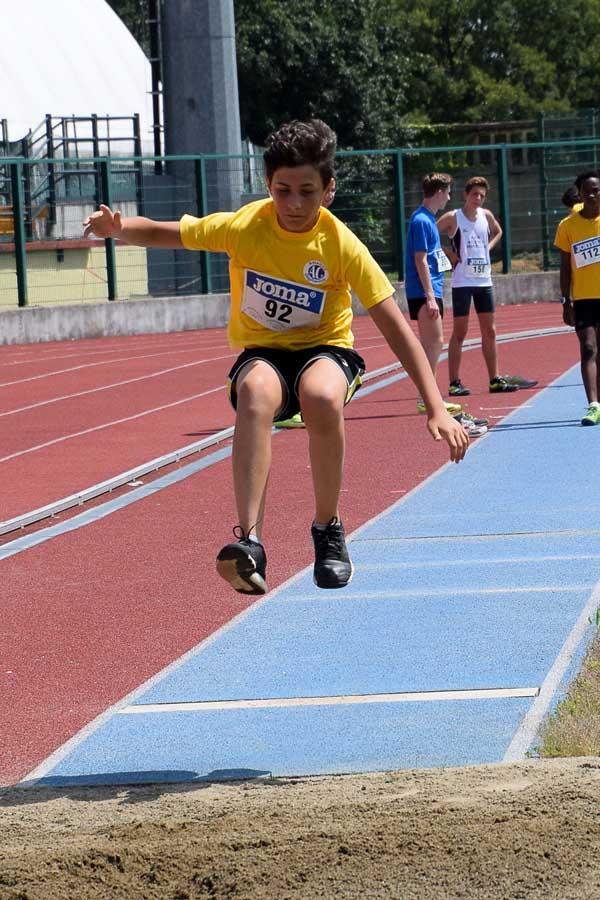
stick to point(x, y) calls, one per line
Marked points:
point(333, 568)
point(501, 385)
point(457, 389)
point(243, 564)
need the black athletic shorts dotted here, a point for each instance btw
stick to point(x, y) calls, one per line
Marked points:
point(415, 304)
point(587, 313)
point(290, 364)
point(483, 300)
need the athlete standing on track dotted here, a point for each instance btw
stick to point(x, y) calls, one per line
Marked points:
point(426, 265)
point(292, 265)
point(473, 233)
point(578, 239)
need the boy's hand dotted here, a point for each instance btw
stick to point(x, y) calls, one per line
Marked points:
point(442, 425)
point(103, 224)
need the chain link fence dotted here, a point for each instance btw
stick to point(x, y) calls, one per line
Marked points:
point(43, 202)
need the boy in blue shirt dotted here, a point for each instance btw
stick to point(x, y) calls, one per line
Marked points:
point(426, 265)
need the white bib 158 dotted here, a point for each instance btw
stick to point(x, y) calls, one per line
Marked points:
point(443, 263)
point(280, 305)
point(478, 267)
point(586, 253)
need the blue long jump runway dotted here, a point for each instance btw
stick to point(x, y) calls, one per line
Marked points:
point(467, 614)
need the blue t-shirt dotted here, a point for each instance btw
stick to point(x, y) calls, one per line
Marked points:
point(423, 236)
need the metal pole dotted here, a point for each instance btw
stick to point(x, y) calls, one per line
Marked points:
point(139, 170)
point(543, 188)
point(202, 207)
point(502, 160)
point(16, 176)
point(156, 72)
point(400, 210)
point(96, 152)
point(111, 261)
point(51, 172)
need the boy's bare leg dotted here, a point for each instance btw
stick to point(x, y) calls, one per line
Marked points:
point(322, 393)
point(431, 336)
point(590, 374)
point(322, 389)
point(487, 324)
point(460, 326)
point(260, 396)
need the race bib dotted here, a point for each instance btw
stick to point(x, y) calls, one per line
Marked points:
point(443, 263)
point(586, 253)
point(281, 305)
point(478, 267)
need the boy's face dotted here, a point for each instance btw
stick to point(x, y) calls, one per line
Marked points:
point(475, 198)
point(298, 194)
point(590, 196)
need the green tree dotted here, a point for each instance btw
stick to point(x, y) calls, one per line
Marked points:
point(341, 60)
point(372, 67)
point(508, 60)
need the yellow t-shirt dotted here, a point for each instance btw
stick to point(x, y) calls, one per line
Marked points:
point(288, 289)
point(581, 238)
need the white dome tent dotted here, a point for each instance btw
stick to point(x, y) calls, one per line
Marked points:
point(71, 58)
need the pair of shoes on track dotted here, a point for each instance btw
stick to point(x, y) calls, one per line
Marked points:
point(243, 563)
point(474, 427)
point(503, 384)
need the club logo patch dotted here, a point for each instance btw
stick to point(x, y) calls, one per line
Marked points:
point(315, 272)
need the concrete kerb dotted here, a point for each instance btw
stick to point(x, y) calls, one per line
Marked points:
point(160, 315)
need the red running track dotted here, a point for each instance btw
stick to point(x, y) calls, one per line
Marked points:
point(74, 414)
point(91, 614)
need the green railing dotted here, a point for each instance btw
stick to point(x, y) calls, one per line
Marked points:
point(43, 258)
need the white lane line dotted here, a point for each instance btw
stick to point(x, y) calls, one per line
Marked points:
point(193, 345)
point(481, 538)
point(110, 362)
point(339, 700)
point(146, 412)
point(527, 731)
point(400, 594)
point(474, 560)
point(116, 384)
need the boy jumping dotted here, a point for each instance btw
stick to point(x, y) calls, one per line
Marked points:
point(292, 267)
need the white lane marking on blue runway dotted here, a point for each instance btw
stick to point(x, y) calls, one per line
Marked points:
point(529, 727)
point(339, 700)
point(400, 594)
point(290, 660)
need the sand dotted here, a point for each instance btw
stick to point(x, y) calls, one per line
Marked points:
point(530, 830)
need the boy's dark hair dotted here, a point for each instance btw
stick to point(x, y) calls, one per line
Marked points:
point(593, 173)
point(476, 181)
point(434, 182)
point(570, 197)
point(296, 143)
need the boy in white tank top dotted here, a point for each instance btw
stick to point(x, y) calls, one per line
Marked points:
point(473, 233)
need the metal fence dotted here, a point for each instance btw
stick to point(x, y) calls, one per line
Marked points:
point(44, 260)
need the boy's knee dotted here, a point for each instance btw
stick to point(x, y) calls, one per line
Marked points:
point(322, 406)
point(588, 351)
point(257, 395)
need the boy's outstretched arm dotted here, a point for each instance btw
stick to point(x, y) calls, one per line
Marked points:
point(398, 334)
point(135, 230)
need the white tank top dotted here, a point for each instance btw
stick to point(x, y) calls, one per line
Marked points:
point(470, 242)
